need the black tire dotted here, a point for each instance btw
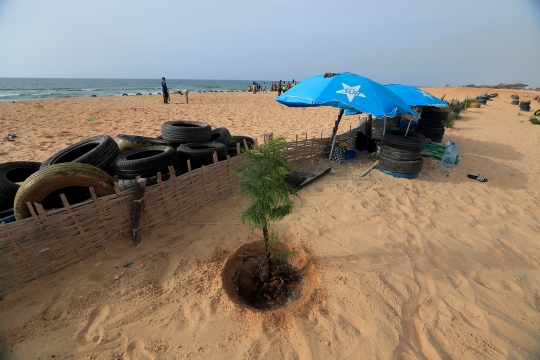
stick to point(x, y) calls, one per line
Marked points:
point(429, 132)
point(221, 135)
point(398, 140)
point(145, 161)
point(12, 173)
point(434, 124)
point(126, 184)
point(537, 112)
point(400, 154)
point(200, 154)
point(436, 139)
point(130, 142)
point(240, 139)
point(400, 167)
point(435, 113)
point(57, 179)
point(184, 131)
point(98, 151)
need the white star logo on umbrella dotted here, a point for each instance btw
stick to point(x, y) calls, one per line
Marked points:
point(350, 91)
point(425, 94)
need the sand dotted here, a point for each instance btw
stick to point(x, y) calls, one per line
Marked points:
point(433, 268)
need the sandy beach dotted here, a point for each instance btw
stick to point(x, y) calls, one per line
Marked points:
point(438, 267)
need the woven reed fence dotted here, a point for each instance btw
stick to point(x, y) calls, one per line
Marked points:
point(52, 240)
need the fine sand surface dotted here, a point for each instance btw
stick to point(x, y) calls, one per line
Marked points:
point(433, 268)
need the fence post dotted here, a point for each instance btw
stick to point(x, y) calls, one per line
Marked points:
point(138, 209)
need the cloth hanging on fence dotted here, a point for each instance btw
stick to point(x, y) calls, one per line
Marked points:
point(338, 154)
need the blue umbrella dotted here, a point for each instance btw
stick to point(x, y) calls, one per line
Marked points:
point(414, 96)
point(346, 91)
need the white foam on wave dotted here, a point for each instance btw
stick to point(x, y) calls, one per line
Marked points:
point(7, 95)
point(40, 94)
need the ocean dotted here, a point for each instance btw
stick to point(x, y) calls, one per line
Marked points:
point(19, 89)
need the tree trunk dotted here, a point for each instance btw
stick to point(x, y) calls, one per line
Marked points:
point(267, 254)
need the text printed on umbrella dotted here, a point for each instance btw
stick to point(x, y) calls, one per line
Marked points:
point(425, 94)
point(350, 91)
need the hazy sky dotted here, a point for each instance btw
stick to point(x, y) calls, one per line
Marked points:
point(419, 42)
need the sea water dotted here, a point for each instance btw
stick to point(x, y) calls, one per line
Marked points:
point(19, 89)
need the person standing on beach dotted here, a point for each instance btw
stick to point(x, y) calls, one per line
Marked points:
point(165, 90)
point(264, 87)
point(279, 88)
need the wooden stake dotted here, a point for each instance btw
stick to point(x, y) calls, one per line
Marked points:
point(138, 209)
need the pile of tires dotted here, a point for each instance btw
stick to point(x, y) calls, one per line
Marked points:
point(514, 96)
point(482, 100)
point(402, 154)
point(432, 121)
point(515, 102)
point(525, 105)
point(100, 161)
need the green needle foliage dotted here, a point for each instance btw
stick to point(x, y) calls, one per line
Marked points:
point(262, 184)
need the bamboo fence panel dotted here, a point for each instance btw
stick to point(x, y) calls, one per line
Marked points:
point(55, 239)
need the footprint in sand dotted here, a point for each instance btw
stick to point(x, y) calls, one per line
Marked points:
point(57, 307)
point(93, 331)
point(166, 276)
point(136, 351)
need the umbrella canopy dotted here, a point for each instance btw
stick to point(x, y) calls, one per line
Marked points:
point(346, 91)
point(414, 96)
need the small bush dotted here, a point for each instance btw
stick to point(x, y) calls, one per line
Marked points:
point(467, 102)
point(534, 120)
point(451, 120)
point(456, 110)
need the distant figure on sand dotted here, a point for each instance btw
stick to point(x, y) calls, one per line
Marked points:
point(264, 87)
point(279, 88)
point(165, 90)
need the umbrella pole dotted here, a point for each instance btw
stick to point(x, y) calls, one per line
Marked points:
point(334, 132)
point(407, 131)
point(384, 126)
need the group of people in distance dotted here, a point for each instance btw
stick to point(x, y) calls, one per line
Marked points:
point(282, 86)
point(256, 87)
point(279, 86)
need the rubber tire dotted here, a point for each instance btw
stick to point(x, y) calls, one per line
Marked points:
point(200, 154)
point(56, 177)
point(428, 131)
point(537, 112)
point(436, 139)
point(400, 154)
point(145, 161)
point(185, 131)
point(397, 140)
point(130, 142)
point(221, 135)
point(98, 151)
point(433, 124)
point(240, 139)
point(435, 113)
point(11, 173)
point(126, 184)
point(400, 167)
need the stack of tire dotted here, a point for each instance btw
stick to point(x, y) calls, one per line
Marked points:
point(515, 102)
point(432, 122)
point(99, 161)
point(494, 95)
point(525, 105)
point(402, 154)
point(483, 99)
